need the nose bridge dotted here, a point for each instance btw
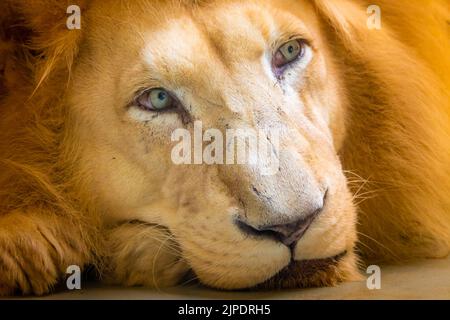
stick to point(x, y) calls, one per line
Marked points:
point(240, 100)
point(288, 189)
point(289, 193)
point(280, 198)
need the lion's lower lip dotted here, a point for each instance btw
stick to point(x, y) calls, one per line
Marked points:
point(298, 274)
point(306, 273)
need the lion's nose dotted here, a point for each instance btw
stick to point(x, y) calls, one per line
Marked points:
point(289, 233)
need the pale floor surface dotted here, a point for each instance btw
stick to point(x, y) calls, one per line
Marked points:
point(428, 279)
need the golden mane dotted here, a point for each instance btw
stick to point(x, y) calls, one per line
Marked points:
point(399, 125)
point(37, 150)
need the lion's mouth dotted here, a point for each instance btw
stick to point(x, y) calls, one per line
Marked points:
point(306, 273)
point(298, 274)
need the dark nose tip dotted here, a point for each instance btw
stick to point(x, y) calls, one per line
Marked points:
point(288, 233)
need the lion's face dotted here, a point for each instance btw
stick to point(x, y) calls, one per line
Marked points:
point(145, 70)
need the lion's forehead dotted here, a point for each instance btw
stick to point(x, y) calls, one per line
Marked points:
point(185, 49)
point(205, 53)
point(226, 36)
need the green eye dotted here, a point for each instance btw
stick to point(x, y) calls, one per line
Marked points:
point(160, 99)
point(288, 53)
point(290, 50)
point(156, 100)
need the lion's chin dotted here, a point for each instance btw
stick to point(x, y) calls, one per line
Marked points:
point(308, 273)
point(325, 272)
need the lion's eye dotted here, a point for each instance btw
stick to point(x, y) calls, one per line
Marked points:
point(288, 53)
point(156, 100)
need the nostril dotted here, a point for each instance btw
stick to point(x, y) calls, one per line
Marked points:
point(248, 229)
point(287, 233)
point(290, 233)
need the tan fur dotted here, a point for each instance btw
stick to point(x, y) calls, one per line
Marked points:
point(399, 130)
point(63, 200)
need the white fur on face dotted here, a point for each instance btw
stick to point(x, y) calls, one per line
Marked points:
point(226, 80)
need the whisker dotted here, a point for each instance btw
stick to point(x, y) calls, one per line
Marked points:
point(377, 242)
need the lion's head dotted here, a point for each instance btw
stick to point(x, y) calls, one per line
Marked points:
point(257, 66)
point(154, 92)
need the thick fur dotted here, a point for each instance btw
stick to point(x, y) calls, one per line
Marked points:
point(399, 124)
point(396, 150)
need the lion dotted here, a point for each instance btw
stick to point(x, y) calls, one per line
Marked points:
point(87, 115)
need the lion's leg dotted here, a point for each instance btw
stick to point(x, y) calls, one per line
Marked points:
point(142, 254)
point(36, 247)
